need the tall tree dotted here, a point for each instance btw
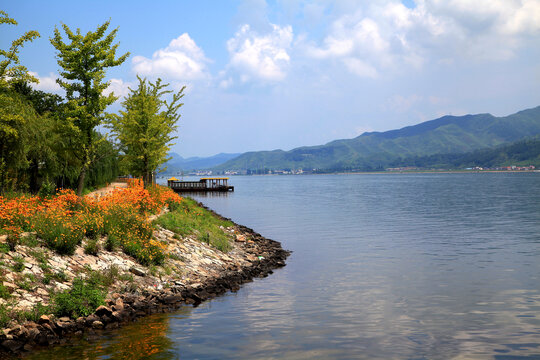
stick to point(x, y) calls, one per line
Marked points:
point(145, 127)
point(84, 59)
point(14, 111)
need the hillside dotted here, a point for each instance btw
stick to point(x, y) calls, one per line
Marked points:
point(178, 163)
point(376, 150)
point(520, 153)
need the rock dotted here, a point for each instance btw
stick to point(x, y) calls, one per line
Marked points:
point(12, 345)
point(103, 311)
point(10, 286)
point(97, 324)
point(33, 333)
point(91, 318)
point(137, 271)
point(118, 305)
point(44, 319)
point(42, 292)
point(19, 331)
point(64, 319)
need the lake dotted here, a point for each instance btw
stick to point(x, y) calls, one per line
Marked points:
point(384, 266)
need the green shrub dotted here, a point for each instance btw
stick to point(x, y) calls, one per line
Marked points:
point(112, 243)
point(29, 240)
point(4, 248)
point(5, 316)
point(81, 300)
point(18, 265)
point(4, 293)
point(47, 188)
point(92, 247)
point(60, 234)
point(104, 278)
point(34, 314)
point(12, 241)
point(189, 218)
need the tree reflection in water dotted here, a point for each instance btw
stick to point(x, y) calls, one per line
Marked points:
point(145, 339)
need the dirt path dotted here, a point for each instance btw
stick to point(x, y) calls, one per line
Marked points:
point(106, 190)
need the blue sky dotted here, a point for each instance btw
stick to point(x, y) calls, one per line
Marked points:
point(264, 75)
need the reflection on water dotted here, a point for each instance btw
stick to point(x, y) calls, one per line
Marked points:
point(427, 266)
point(145, 339)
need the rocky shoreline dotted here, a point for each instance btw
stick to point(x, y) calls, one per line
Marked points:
point(206, 273)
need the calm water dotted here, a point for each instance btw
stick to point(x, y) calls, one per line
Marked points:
point(412, 266)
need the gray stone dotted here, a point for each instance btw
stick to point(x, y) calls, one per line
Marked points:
point(137, 271)
point(97, 324)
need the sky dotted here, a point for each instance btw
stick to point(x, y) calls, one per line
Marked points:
point(265, 75)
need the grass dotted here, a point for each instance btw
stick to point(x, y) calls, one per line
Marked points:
point(82, 299)
point(189, 218)
point(18, 265)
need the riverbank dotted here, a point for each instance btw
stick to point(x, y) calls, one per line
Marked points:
point(193, 271)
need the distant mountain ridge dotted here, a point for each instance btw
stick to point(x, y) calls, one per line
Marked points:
point(375, 150)
point(178, 163)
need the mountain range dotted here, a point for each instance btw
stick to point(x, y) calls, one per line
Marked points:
point(178, 163)
point(377, 150)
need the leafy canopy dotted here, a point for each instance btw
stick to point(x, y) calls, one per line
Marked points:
point(146, 125)
point(83, 60)
point(10, 67)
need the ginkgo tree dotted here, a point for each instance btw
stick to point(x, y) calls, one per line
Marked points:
point(83, 60)
point(145, 127)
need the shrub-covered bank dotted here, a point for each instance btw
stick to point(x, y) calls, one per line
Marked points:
point(47, 296)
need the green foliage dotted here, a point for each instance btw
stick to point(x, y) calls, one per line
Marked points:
point(34, 314)
point(4, 293)
point(92, 247)
point(47, 188)
point(58, 233)
point(192, 219)
point(83, 60)
point(104, 278)
point(145, 126)
point(18, 264)
point(10, 67)
point(30, 240)
point(521, 153)
point(81, 300)
point(4, 248)
point(5, 316)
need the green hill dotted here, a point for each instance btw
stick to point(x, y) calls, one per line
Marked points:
point(377, 150)
point(520, 153)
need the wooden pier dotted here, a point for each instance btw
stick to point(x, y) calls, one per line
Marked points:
point(204, 184)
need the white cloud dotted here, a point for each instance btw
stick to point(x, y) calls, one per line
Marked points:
point(119, 88)
point(46, 83)
point(260, 57)
point(181, 60)
point(386, 36)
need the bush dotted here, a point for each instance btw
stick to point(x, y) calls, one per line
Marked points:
point(92, 247)
point(47, 189)
point(59, 233)
point(81, 300)
point(18, 266)
point(4, 293)
point(189, 218)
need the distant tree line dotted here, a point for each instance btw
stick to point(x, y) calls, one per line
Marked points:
point(49, 141)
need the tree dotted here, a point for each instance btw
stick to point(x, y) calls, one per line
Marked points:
point(15, 113)
point(10, 67)
point(144, 129)
point(84, 59)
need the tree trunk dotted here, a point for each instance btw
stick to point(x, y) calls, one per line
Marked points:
point(34, 174)
point(80, 181)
